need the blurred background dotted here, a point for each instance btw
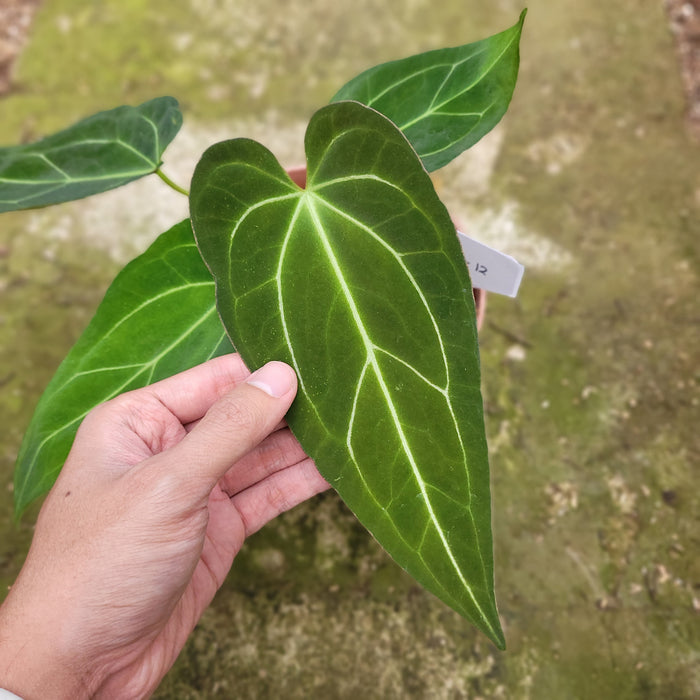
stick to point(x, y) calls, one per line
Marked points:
point(590, 376)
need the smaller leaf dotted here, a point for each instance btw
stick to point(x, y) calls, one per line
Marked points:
point(97, 154)
point(444, 100)
point(157, 318)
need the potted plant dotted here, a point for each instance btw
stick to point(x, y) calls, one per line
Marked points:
point(355, 248)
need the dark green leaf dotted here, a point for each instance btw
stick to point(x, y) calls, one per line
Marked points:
point(358, 281)
point(157, 318)
point(99, 153)
point(445, 100)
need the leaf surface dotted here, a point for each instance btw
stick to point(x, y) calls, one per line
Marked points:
point(158, 318)
point(358, 282)
point(444, 100)
point(99, 153)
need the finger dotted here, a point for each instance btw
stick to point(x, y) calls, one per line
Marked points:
point(190, 426)
point(190, 394)
point(233, 426)
point(278, 493)
point(276, 452)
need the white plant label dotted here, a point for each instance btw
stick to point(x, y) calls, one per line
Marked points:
point(490, 269)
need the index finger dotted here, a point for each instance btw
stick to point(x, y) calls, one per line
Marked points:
point(190, 394)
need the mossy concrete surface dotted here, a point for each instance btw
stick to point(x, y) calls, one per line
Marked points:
point(590, 376)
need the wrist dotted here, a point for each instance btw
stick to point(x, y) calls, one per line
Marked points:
point(32, 663)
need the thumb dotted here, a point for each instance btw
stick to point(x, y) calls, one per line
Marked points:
point(234, 425)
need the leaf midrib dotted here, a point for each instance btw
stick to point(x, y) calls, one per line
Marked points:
point(68, 179)
point(434, 108)
point(370, 347)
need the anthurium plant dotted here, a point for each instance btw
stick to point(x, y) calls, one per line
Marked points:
point(357, 280)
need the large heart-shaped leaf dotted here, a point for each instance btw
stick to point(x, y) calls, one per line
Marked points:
point(444, 100)
point(99, 153)
point(358, 281)
point(157, 318)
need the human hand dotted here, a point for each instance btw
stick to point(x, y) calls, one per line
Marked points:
point(160, 489)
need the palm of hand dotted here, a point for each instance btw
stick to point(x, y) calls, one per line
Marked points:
point(155, 500)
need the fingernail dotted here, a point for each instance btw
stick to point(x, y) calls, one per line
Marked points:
point(274, 378)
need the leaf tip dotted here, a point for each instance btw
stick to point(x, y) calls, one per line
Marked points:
point(498, 638)
point(490, 625)
point(21, 502)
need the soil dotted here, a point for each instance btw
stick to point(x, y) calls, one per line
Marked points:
point(15, 20)
point(684, 20)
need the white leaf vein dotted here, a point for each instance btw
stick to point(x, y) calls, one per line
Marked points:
point(370, 350)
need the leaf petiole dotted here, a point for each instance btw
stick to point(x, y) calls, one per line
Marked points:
point(170, 183)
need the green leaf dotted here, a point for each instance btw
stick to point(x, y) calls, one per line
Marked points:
point(99, 153)
point(358, 281)
point(157, 318)
point(445, 100)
